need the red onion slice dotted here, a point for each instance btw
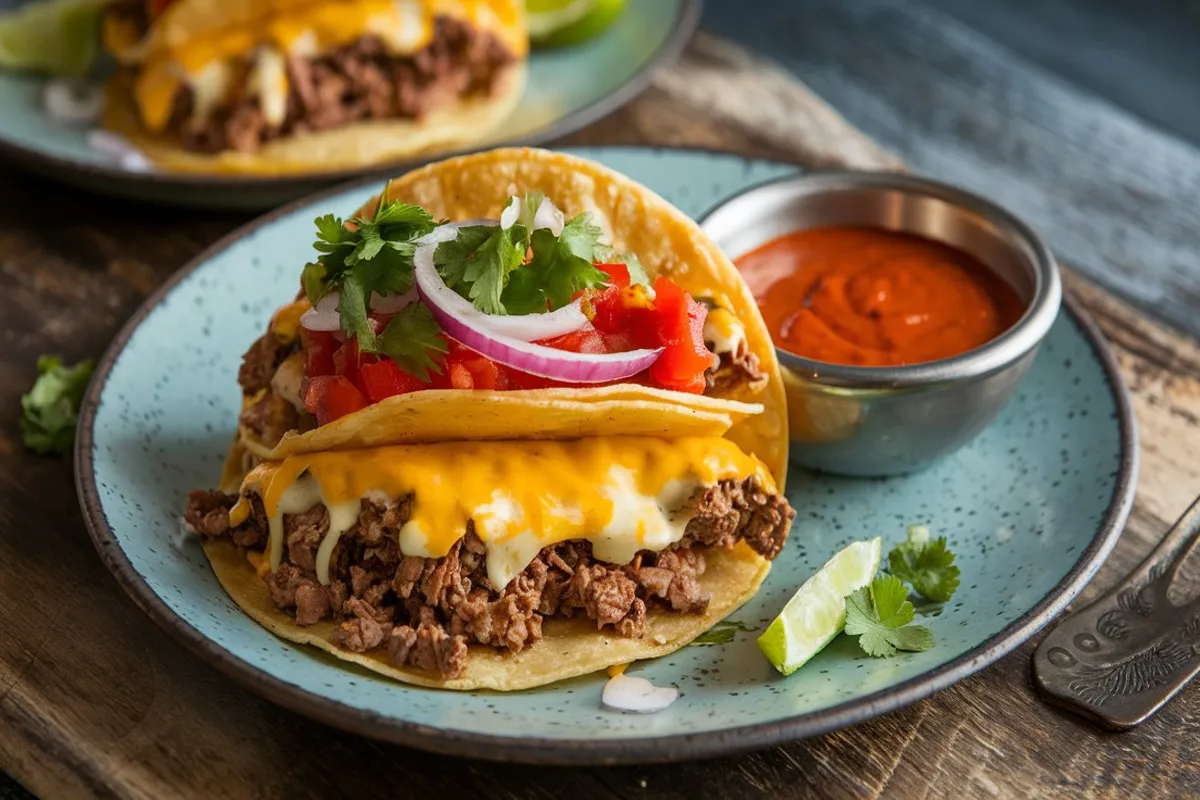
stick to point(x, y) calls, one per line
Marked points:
point(524, 327)
point(324, 315)
point(626, 693)
point(465, 323)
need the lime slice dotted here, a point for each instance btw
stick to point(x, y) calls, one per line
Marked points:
point(561, 23)
point(54, 36)
point(817, 612)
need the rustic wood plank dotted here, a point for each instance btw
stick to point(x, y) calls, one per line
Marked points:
point(97, 702)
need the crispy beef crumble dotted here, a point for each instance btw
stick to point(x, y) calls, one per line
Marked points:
point(425, 611)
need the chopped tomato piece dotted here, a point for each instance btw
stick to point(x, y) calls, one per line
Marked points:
point(467, 369)
point(331, 397)
point(680, 325)
point(617, 273)
point(319, 347)
point(384, 379)
point(581, 341)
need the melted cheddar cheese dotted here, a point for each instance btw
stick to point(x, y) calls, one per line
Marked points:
point(297, 28)
point(285, 324)
point(622, 494)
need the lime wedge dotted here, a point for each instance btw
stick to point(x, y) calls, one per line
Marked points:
point(561, 23)
point(817, 612)
point(54, 36)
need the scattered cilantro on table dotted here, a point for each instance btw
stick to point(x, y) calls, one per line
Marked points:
point(881, 615)
point(50, 410)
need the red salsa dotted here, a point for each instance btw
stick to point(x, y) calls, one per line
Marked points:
point(870, 297)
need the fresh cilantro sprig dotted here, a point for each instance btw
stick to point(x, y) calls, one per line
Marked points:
point(50, 410)
point(881, 615)
point(364, 256)
point(501, 270)
point(413, 338)
point(926, 564)
point(486, 263)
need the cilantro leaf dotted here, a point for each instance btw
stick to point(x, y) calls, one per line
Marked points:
point(352, 312)
point(402, 214)
point(390, 270)
point(880, 617)
point(451, 257)
point(928, 565)
point(413, 339)
point(50, 410)
point(371, 256)
point(331, 233)
point(560, 267)
point(485, 272)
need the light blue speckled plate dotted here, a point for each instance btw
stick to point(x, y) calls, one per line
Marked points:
point(1032, 507)
point(567, 90)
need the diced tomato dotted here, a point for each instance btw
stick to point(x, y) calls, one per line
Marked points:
point(467, 369)
point(680, 325)
point(384, 379)
point(319, 347)
point(581, 341)
point(608, 310)
point(617, 273)
point(331, 397)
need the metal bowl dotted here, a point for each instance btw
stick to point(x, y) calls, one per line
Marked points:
point(873, 421)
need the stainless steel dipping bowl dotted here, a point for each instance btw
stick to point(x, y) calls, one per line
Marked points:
point(873, 421)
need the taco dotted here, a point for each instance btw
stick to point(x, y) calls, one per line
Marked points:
point(509, 447)
point(275, 86)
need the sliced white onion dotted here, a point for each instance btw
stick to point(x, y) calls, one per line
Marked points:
point(508, 217)
point(638, 695)
point(73, 101)
point(465, 323)
point(550, 217)
point(324, 315)
point(524, 327)
point(393, 302)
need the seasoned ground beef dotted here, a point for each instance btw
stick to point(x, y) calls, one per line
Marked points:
point(360, 81)
point(269, 418)
point(734, 369)
point(261, 360)
point(425, 611)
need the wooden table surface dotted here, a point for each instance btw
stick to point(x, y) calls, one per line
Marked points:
point(96, 701)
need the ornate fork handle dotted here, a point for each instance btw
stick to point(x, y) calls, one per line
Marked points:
point(1120, 659)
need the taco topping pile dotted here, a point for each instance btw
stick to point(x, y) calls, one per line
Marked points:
point(398, 303)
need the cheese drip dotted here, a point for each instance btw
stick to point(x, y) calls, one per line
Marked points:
point(622, 494)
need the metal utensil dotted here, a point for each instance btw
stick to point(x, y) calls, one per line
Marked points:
point(1120, 659)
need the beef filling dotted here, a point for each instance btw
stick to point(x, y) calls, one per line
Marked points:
point(733, 370)
point(423, 612)
point(262, 360)
point(360, 81)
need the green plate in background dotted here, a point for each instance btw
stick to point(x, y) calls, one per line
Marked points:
point(568, 89)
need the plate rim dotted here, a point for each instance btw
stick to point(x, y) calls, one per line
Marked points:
point(579, 752)
point(683, 30)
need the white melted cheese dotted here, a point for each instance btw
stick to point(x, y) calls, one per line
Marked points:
point(724, 332)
